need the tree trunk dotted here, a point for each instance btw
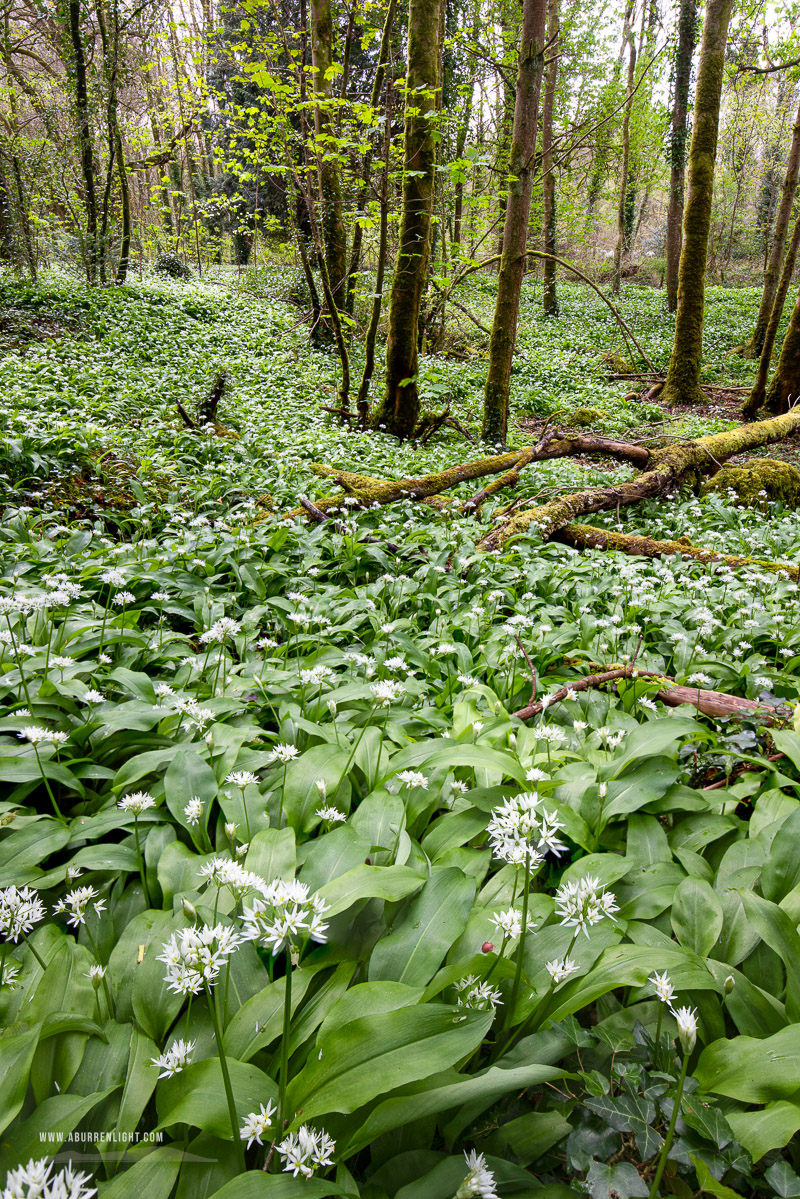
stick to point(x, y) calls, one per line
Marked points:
point(755, 345)
point(78, 71)
point(683, 374)
point(333, 230)
point(400, 407)
point(756, 397)
point(624, 223)
point(687, 34)
point(784, 390)
point(550, 297)
point(515, 231)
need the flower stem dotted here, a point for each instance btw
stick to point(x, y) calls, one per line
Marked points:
point(657, 1050)
point(226, 1080)
point(512, 1003)
point(662, 1161)
point(140, 860)
point(287, 1020)
point(35, 952)
point(47, 785)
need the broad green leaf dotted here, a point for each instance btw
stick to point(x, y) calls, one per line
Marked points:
point(369, 882)
point(651, 740)
point(708, 1184)
point(17, 1047)
point(27, 847)
point(272, 854)
point(152, 1177)
point(196, 1096)
point(770, 1127)
point(46, 1128)
point(776, 929)
point(419, 941)
point(696, 916)
point(258, 1021)
point(378, 1053)
point(781, 871)
point(189, 777)
point(440, 752)
point(753, 1071)
point(257, 1185)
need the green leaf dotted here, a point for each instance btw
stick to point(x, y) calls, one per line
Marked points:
point(257, 1185)
point(25, 847)
point(419, 941)
point(754, 1071)
point(370, 882)
point(272, 854)
point(708, 1184)
point(781, 871)
point(774, 926)
point(196, 1096)
point(16, 1057)
point(376, 1054)
point(187, 777)
point(258, 1021)
point(621, 1181)
point(629, 1113)
point(651, 740)
point(771, 1127)
point(153, 1177)
point(696, 916)
point(443, 752)
point(49, 1124)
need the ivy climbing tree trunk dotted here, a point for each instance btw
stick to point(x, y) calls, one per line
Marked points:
point(687, 36)
point(622, 200)
point(753, 347)
point(756, 397)
point(550, 297)
point(683, 373)
point(77, 70)
point(330, 189)
point(399, 409)
point(515, 229)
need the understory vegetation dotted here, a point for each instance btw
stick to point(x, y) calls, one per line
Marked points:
point(292, 902)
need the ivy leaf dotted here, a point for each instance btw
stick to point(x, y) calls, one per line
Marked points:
point(630, 1113)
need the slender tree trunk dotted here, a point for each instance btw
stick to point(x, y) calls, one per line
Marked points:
point(461, 141)
point(366, 171)
point(509, 26)
point(78, 71)
point(362, 400)
point(683, 374)
point(623, 204)
point(550, 297)
point(754, 346)
point(784, 390)
point(399, 410)
point(687, 34)
point(756, 397)
point(330, 190)
point(515, 231)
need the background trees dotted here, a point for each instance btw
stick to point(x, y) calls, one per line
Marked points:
point(226, 134)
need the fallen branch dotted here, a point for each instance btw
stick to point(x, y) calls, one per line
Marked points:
point(709, 703)
point(587, 537)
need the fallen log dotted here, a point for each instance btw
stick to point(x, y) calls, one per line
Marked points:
point(716, 704)
point(587, 537)
point(666, 469)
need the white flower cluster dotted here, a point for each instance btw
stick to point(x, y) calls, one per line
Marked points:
point(306, 1150)
point(225, 872)
point(386, 692)
point(195, 956)
point(20, 910)
point(38, 736)
point(256, 1124)
point(686, 1017)
point(285, 914)
point(479, 1183)
point(520, 829)
point(220, 631)
point(37, 1181)
point(476, 995)
point(583, 903)
point(76, 902)
point(561, 969)
point(137, 802)
point(174, 1059)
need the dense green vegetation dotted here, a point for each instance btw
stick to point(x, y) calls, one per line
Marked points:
point(204, 699)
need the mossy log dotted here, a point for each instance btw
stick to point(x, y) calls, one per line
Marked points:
point(717, 704)
point(587, 537)
point(666, 468)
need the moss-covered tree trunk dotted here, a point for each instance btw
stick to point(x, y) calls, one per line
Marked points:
point(77, 70)
point(683, 374)
point(515, 229)
point(679, 131)
point(330, 189)
point(625, 202)
point(756, 397)
point(755, 344)
point(399, 410)
point(550, 297)
point(784, 390)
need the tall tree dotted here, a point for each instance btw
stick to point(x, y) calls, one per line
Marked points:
point(754, 346)
point(550, 297)
point(330, 189)
point(399, 409)
point(784, 390)
point(683, 373)
point(624, 201)
point(756, 397)
point(77, 71)
point(515, 229)
point(678, 136)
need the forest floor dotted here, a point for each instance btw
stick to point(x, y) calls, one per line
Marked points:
point(170, 629)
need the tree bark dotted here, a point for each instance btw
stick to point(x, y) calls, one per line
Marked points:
point(755, 344)
point(78, 71)
point(756, 397)
point(683, 374)
point(333, 230)
point(399, 410)
point(550, 295)
point(687, 23)
point(515, 230)
point(623, 201)
point(784, 390)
